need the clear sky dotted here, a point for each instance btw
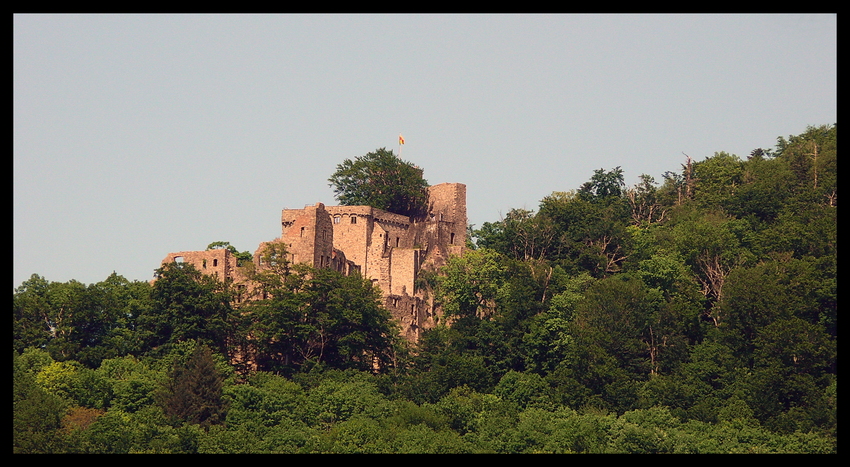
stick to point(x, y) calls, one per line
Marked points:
point(139, 135)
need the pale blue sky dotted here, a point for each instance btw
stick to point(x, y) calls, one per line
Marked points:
point(139, 135)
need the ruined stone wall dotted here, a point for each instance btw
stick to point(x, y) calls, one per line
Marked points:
point(404, 264)
point(219, 262)
point(413, 314)
point(388, 249)
point(308, 234)
point(448, 205)
point(352, 231)
point(341, 264)
point(376, 267)
point(397, 227)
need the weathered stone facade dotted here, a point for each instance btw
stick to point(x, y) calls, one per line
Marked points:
point(388, 249)
point(220, 263)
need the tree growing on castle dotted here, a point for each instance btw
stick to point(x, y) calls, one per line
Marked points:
point(242, 257)
point(382, 180)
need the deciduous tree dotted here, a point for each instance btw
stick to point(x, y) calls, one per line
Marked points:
point(382, 180)
point(186, 305)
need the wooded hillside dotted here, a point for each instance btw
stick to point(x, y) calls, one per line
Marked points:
point(696, 313)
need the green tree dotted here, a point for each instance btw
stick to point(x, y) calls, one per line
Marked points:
point(590, 227)
point(422, 439)
point(76, 384)
point(194, 391)
point(313, 317)
point(718, 179)
point(603, 185)
point(471, 283)
point(382, 180)
point(133, 383)
point(186, 305)
point(766, 185)
point(357, 435)
point(32, 322)
point(242, 257)
point(710, 244)
point(620, 314)
point(56, 315)
point(36, 414)
point(117, 304)
point(548, 341)
point(266, 401)
point(624, 333)
point(643, 199)
point(522, 235)
point(78, 322)
point(445, 362)
point(341, 396)
point(774, 290)
point(524, 389)
point(812, 157)
point(354, 328)
point(643, 432)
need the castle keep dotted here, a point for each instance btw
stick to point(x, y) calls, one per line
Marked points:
point(388, 249)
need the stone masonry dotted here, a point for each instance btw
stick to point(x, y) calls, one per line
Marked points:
point(388, 249)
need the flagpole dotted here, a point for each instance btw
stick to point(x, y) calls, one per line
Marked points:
point(400, 144)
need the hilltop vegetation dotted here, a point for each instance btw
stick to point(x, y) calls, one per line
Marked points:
point(697, 314)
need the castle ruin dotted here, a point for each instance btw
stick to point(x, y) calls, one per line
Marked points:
point(388, 249)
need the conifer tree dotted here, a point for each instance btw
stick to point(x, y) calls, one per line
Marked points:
point(194, 391)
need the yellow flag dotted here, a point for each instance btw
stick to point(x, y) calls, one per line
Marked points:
point(400, 139)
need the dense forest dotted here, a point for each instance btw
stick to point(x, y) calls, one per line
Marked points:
point(694, 314)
